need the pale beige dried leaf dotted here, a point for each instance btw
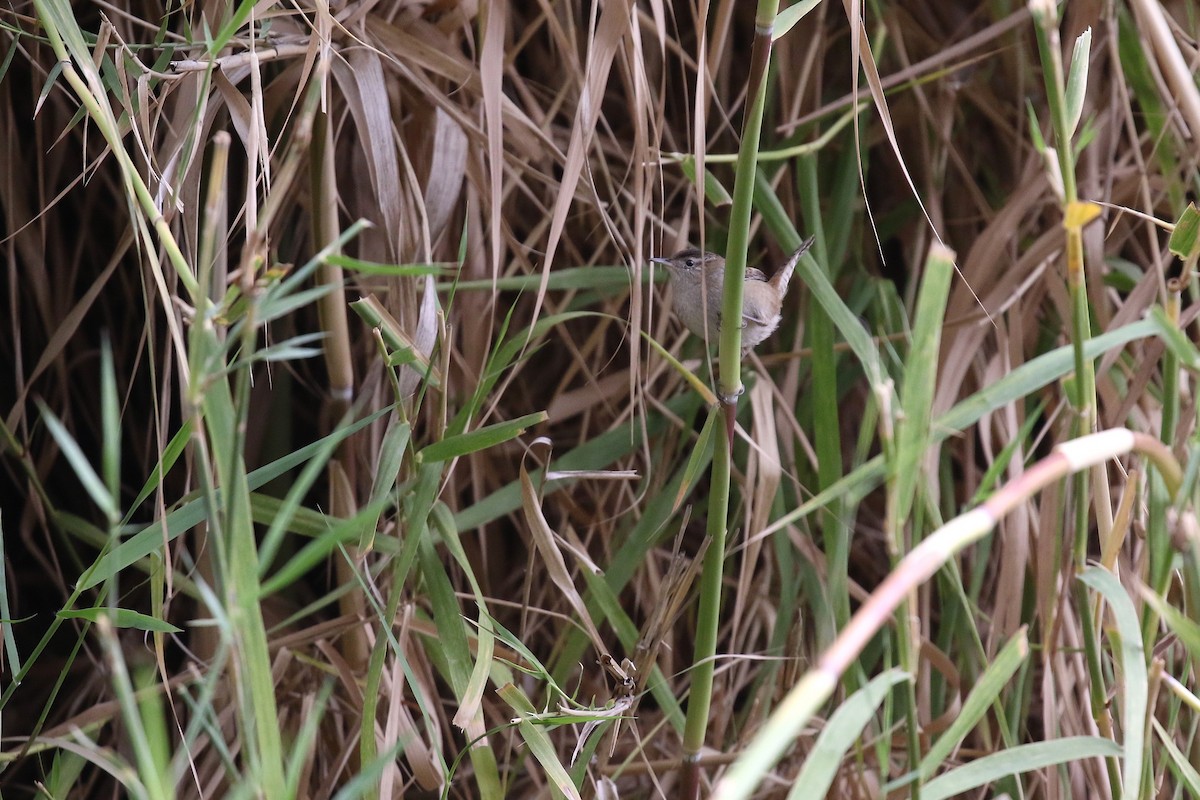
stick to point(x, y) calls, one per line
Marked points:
point(238, 107)
point(614, 24)
point(572, 402)
point(1180, 76)
point(420, 48)
point(491, 70)
point(423, 337)
point(546, 543)
point(860, 46)
point(447, 168)
point(364, 86)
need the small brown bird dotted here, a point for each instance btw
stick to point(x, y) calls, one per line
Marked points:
point(698, 279)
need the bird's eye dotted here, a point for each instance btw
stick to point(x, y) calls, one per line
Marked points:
point(690, 263)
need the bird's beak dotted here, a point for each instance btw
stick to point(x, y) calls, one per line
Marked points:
point(666, 262)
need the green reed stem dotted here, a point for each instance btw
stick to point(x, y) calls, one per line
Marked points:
point(730, 384)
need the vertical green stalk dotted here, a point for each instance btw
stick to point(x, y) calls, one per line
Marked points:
point(707, 622)
point(743, 193)
point(730, 386)
point(1045, 15)
point(1160, 550)
point(1065, 101)
point(827, 428)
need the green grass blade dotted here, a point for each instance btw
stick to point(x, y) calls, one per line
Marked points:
point(453, 648)
point(1077, 81)
point(538, 741)
point(1017, 761)
point(110, 420)
point(1134, 675)
point(1175, 339)
point(1187, 773)
point(121, 618)
point(184, 518)
point(984, 693)
point(920, 380)
point(10, 643)
point(839, 734)
point(170, 455)
point(92, 482)
point(1034, 374)
point(473, 441)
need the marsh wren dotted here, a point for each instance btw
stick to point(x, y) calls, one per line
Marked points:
point(698, 279)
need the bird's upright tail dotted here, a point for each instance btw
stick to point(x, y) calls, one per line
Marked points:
point(784, 276)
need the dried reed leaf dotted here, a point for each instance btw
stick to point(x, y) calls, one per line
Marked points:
point(423, 338)
point(545, 541)
point(447, 168)
point(364, 87)
point(861, 49)
point(613, 26)
point(491, 69)
point(764, 474)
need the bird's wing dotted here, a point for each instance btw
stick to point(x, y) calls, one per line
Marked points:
point(755, 274)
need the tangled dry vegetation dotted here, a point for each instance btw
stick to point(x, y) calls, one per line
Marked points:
point(297, 506)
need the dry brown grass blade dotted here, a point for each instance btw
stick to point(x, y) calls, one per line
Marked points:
point(424, 337)
point(613, 26)
point(545, 541)
point(426, 53)
point(675, 589)
point(63, 333)
point(491, 70)
point(364, 87)
point(447, 162)
point(573, 402)
point(398, 723)
point(764, 476)
point(400, 726)
point(989, 268)
point(861, 49)
point(1180, 76)
point(323, 212)
point(1015, 535)
point(701, 101)
point(643, 116)
point(238, 107)
point(343, 505)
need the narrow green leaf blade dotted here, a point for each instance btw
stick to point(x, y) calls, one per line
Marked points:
point(537, 740)
point(983, 694)
point(1185, 238)
point(1134, 674)
point(1016, 761)
point(121, 618)
point(920, 379)
point(480, 439)
point(92, 483)
point(1077, 80)
point(844, 728)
